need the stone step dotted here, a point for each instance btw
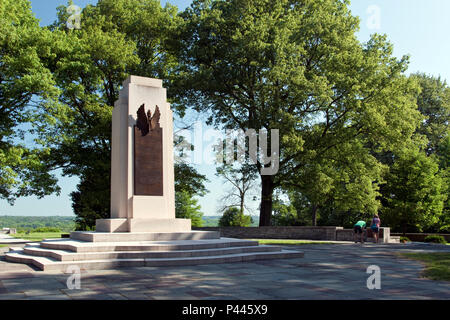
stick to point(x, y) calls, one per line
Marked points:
point(177, 245)
point(64, 255)
point(143, 236)
point(50, 264)
point(31, 244)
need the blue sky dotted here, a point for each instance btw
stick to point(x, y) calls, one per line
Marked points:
point(418, 28)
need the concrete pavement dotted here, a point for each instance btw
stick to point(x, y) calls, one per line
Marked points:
point(328, 271)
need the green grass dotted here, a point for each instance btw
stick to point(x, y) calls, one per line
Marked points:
point(37, 236)
point(288, 242)
point(437, 264)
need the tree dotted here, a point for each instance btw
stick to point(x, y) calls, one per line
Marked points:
point(284, 213)
point(415, 192)
point(188, 184)
point(242, 182)
point(23, 79)
point(233, 217)
point(186, 207)
point(298, 67)
point(117, 38)
point(444, 225)
point(91, 200)
point(88, 66)
point(189, 180)
point(434, 103)
point(344, 179)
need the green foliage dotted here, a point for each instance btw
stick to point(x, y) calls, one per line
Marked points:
point(284, 215)
point(186, 207)
point(404, 239)
point(434, 103)
point(289, 213)
point(434, 238)
point(23, 224)
point(23, 77)
point(211, 221)
point(89, 66)
point(188, 185)
point(445, 218)
point(298, 67)
point(117, 38)
point(233, 217)
point(187, 179)
point(47, 230)
point(91, 200)
point(37, 236)
point(414, 192)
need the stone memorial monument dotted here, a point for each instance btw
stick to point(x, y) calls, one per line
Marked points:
point(142, 229)
point(142, 168)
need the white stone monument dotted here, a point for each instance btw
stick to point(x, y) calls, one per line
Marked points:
point(132, 212)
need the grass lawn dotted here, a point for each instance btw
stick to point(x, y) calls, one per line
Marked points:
point(437, 264)
point(38, 236)
point(288, 242)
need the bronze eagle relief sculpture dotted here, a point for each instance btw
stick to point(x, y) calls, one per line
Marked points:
point(145, 123)
point(148, 153)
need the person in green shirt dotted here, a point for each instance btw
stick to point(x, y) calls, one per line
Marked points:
point(359, 228)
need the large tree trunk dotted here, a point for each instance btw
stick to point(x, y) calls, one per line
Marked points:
point(314, 215)
point(265, 213)
point(404, 228)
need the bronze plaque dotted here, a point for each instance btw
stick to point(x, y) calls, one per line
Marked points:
point(148, 157)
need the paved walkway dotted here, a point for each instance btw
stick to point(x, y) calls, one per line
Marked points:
point(328, 271)
point(7, 239)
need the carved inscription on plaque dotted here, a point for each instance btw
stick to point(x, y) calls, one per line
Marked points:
point(148, 154)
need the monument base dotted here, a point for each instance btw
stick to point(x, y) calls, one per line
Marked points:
point(97, 250)
point(143, 225)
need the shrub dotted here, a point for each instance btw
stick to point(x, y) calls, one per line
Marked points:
point(404, 239)
point(233, 217)
point(435, 239)
point(47, 229)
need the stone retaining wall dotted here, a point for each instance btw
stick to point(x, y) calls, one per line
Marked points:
point(306, 233)
point(420, 237)
point(349, 234)
point(311, 233)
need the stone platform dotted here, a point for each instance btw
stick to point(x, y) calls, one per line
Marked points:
point(96, 250)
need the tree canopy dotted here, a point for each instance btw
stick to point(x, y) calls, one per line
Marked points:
point(296, 66)
point(23, 78)
point(85, 69)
